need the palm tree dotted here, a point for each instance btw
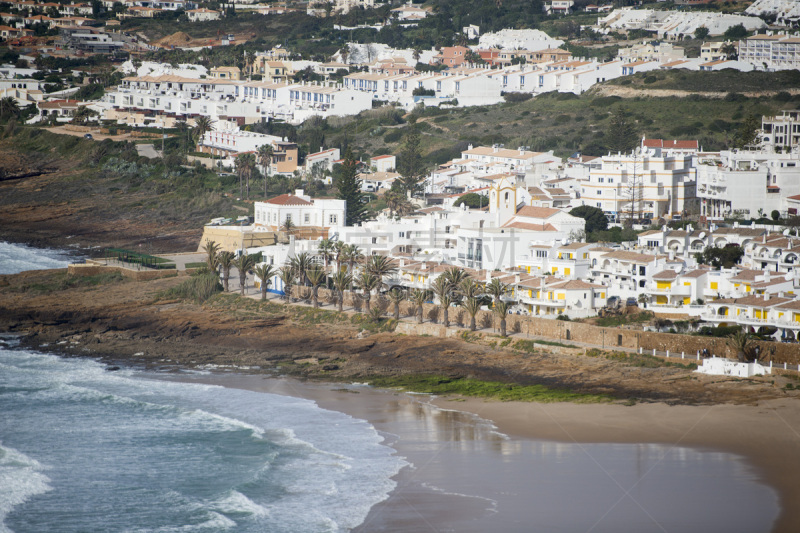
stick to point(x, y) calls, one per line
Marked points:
point(729, 50)
point(245, 163)
point(244, 264)
point(341, 280)
point(212, 255)
point(8, 107)
point(501, 309)
point(287, 275)
point(338, 250)
point(202, 125)
point(443, 290)
point(497, 289)
point(288, 226)
point(316, 276)
point(265, 153)
point(352, 254)
point(381, 266)
point(418, 297)
point(472, 305)
point(265, 273)
point(225, 261)
point(469, 288)
point(368, 282)
point(742, 344)
point(456, 277)
point(396, 296)
point(325, 250)
point(302, 263)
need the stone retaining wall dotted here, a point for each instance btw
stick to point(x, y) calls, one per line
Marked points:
point(558, 330)
point(92, 268)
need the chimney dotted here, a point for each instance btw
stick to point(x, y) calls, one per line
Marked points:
point(402, 263)
point(516, 279)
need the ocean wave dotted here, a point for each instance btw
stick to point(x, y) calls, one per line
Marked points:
point(15, 258)
point(236, 503)
point(20, 478)
point(219, 458)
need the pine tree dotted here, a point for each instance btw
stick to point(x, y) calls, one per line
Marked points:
point(748, 132)
point(621, 135)
point(411, 166)
point(349, 186)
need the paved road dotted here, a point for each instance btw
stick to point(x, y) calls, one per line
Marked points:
point(147, 150)
point(180, 260)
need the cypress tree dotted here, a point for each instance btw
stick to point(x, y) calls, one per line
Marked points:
point(349, 187)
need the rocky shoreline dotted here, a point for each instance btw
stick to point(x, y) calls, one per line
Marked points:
point(131, 322)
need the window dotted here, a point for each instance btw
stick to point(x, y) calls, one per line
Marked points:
point(306, 218)
point(333, 219)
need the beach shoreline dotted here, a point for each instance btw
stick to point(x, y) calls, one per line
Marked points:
point(124, 324)
point(737, 430)
point(765, 435)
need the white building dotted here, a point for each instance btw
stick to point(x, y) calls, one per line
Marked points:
point(202, 14)
point(771, 52)
point(740, 183)
point(651, 183)
point(781, 131)
point(301, 210)
point(383, 163)
point(240, 100)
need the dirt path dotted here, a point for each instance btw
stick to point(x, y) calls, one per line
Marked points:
point(631, 92)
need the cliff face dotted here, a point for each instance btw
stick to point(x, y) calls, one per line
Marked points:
point(124, 321)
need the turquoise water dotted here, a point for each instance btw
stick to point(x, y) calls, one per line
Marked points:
point(84, 449)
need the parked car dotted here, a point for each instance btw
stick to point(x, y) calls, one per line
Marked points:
point(631, 302)
point(88, 136)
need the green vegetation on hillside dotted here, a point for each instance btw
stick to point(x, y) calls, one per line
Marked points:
point(724, 81)
point(484, 389)
point(563, 122)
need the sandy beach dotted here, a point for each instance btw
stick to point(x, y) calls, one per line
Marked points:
point(460, 459)
point(767, 435)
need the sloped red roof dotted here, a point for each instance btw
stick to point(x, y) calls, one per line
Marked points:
point(536, 212)
point(288, 199)
point(679, 145)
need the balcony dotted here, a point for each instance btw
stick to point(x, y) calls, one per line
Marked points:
point(541, 301)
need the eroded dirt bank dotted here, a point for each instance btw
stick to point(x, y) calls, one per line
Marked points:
point(126, 321)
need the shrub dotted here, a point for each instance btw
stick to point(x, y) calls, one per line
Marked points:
point(517, 97)
point(197, 288)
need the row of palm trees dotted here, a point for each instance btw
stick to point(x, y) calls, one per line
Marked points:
point(343, 267)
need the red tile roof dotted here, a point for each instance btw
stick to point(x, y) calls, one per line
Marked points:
point(288, 199)
point(680, 145)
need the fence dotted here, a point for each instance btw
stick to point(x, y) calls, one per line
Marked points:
point(137, 258)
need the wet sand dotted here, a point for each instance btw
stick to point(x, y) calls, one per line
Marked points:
point(497, 471)
point(767, 435)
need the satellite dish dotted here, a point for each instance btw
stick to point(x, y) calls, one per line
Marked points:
point(702, 235)
point(786, 232)
point(564, 241)
point(788, 276)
